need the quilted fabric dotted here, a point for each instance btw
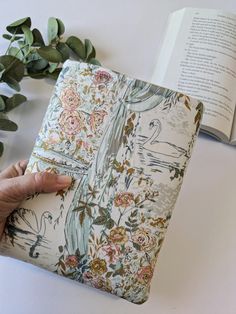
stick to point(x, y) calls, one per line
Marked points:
point(126, 143)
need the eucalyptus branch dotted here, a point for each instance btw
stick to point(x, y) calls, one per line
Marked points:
point(28, 55)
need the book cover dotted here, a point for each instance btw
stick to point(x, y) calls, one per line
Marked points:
point(126, 143)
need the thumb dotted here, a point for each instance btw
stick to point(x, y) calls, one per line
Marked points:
point(38, 182)
point(15, 190)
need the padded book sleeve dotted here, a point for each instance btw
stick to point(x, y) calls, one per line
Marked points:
point(126, 143)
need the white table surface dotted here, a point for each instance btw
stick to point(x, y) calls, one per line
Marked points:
point(196, 269)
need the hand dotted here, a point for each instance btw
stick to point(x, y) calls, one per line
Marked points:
point(15, 187)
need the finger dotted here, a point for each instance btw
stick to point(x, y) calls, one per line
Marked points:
point(16, 189)
point(14, 170)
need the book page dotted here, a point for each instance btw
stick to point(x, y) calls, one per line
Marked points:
point(233, 133)
point(198, 57)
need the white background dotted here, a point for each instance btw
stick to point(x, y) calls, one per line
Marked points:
point(196, 269)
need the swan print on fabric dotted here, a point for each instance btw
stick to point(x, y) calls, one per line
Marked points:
point(126, 143)
point(164, 148)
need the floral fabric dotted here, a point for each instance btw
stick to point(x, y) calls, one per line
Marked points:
point(126, 143)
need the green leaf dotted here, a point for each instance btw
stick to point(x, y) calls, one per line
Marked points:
point(21, 43)
point(38, 76)
point(15, 52)
point(7, 125)
point(61, 27)
point(52, 29)
point(2, 68)
point(33, 56)
point(2, 104)
point(1, 148)
point(37, 65)
point(15, 27)
point(50, 54)
point(76, 46)
point(52, 67)
point(92, 55)
point(54, 75)
point(11, 82)
point(29, 38)
point(14, 101)
point(4, 98)
point(88, 47)
point(110, 223)
point(94, 61)
point(64, 51)
point(100, 220)
point(12, 38)
point(38, 38)
point(7, 36)
point(13, 67)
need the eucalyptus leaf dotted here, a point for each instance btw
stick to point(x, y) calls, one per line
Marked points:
point(13, 51)
point(29, 38)
point(52, 29)
point(1, 148)
point(61, 27)
point(7, 125)
point(2, 69)
point(16, 52)
point(4, 98)
point(64, 51)
point(38, 75)
point(94, 61)
point(2, 104)
point(15, 27)
point(12, 38)
point(11, 82)
point(1, 74)
point(30, 57)
point(21, 43)
point(38, 38)
point(14, 101)
point(52, 67)
point(37, 65)
point(54, 75)
point(92, 55)
point(33, 56)
point(13, 67)
point(88, 48)
point(50, 54)
point(76, 46)
point(7, 36)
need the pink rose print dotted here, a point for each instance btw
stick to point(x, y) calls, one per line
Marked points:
point(70, 99)
point(123, 199)
point(112, 252)
point(145, 275)
point(144, 239)
point(96, 119)
point(71, 261)
point(71, 122)
point(102, 77)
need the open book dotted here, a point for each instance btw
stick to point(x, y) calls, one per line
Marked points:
point(198, 57)
point(126, 143)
